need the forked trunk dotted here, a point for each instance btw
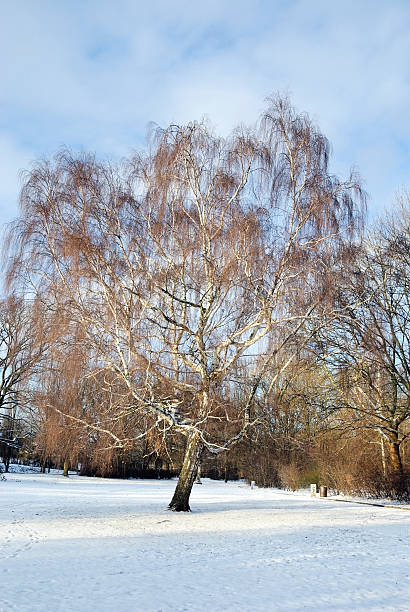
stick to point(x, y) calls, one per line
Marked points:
point(192, 458)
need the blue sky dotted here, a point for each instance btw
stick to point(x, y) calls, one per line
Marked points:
point(91, 74)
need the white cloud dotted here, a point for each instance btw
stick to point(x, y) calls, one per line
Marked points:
point(93, 74)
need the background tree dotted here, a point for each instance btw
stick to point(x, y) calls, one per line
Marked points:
point(366, 354)
point(21, 349)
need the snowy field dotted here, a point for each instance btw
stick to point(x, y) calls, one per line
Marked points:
point(88, 544)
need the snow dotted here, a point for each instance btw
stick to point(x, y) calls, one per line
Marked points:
point(17, 468)
point(90, 544)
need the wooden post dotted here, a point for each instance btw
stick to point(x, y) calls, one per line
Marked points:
point(313, 490)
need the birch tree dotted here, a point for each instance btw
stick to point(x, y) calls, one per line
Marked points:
point(191, 266)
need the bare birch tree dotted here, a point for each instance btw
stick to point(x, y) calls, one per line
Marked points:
point(196, 260)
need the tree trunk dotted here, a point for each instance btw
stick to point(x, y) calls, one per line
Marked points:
point(383, 456)
point(193, 451)
point(396, 458)
point(198, 475)
point(65, 469)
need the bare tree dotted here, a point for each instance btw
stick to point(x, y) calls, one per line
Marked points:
point(194, 262)
point(366, 354)
point(21, 349)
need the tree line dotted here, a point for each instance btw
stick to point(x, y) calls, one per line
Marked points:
point(211, 303)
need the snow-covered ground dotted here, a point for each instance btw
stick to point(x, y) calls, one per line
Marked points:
point(87, 544)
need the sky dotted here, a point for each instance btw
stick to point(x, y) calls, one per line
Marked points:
point(92, 74)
